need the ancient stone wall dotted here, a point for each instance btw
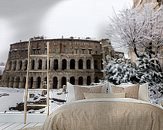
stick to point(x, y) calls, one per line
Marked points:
point(75, 60)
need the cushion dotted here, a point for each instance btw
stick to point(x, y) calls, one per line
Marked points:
point(143, 92)
point(104, 95)
point(70, 93)
point(80, 90)
point(131, 90)
point(107, 87)
point(104, 86)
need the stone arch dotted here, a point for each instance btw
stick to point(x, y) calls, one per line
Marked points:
point(64, 64)
point(96, 80)
point(23, 82)
point(80, 64)
point(14, 65)
point(80, 81)
point(20, 65)
point(25, 64)
point(72, 80)
point(45, 64)
point(72, 64)
point(7, 82)
point(55, 64)
point(88, 64)
point(95, 64)
point(38, 82)
point(17, 82)
point(49, 64)
point(88, 80)
point(102, 64)
point(55, 82)
point(31, 82)
point(63, 81)
point(32, 64)
point(39, 64)
point(10, 65)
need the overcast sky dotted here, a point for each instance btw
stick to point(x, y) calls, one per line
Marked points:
point(23, 19)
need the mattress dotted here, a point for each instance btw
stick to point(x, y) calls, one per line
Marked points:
point(106, 114)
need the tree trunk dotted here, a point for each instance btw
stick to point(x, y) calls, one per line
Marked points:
point(135, 50)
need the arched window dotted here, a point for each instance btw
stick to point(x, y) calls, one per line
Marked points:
point(38, 83)
point(96, 80)
point(14, 65)
point(31, 82)
point(80, 81)
point(72, 64)
point(17, 82)
point(32, 64)
point(88, 80)
point(101, 64)
point(64, 64)
point(45, 64)
point(49, 64)
point(80, 64)
point(63, 81)
point(25, 65)
point(20, 65)
point(55, 82)
point(88, 64)
point(55, 65)
point(7, 82)
point(72, 80)
point(39, 64)
point(24, 82)
point(95, 64)
point(10, 65)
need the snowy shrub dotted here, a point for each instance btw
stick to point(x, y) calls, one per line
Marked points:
point(117, 71)
point(149, 70)
point(146, 71)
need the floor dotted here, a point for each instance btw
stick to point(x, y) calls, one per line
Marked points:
point(17, 126)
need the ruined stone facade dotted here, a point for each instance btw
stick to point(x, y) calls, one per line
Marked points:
point(78, 61)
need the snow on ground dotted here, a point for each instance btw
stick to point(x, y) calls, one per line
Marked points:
point(10, 97)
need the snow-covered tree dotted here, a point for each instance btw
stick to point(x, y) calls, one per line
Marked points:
point(141, 30)
point(148, 70)
point(138, 29)
point(119, 71)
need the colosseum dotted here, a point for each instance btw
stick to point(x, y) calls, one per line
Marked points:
point(78, 61)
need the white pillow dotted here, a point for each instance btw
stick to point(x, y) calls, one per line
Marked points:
point(109, 86)
point(104, 95)
point(143, 92)
point(70, 92)
point(124, 85)
point(70, 97)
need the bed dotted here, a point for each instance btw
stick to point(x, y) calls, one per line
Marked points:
point(106, 114)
